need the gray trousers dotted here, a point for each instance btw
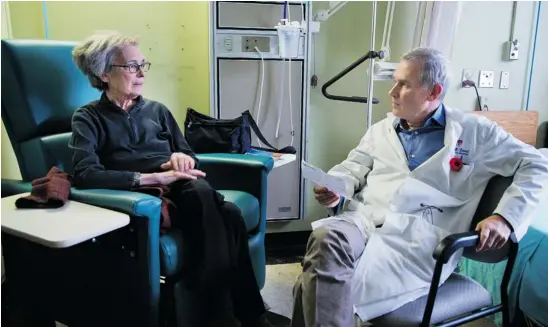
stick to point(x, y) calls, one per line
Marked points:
point(322, 294)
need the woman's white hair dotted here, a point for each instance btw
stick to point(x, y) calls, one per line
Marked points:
point(95, 55)
point(434, 67)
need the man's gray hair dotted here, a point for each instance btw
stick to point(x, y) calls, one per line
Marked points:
point(434, 67)
point(96, 54)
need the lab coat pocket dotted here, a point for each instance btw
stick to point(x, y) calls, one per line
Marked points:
point(397, 259)
point(425, 239)
point(386, 267)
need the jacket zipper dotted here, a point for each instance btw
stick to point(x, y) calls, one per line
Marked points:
point(131, 129)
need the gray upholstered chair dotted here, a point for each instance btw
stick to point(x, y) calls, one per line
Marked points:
point(460, 299)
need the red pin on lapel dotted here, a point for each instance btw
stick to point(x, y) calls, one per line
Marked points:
point(455, 164)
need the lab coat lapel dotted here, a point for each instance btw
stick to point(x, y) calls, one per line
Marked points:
point(394, 140)
point(430, 168)
point(453, 129)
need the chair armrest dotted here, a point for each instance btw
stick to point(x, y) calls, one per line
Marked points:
point(132, 203)
point(452, 243)
point(238, 172)
point(144, 240)
point(14, 186)
point(443, 252)
point(227, 159)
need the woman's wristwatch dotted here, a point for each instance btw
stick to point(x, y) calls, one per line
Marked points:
point(136, 180)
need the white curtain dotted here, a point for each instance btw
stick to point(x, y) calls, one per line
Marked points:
point(437, 24)
point(6, 23)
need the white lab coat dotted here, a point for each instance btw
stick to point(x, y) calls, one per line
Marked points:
point(397, 265)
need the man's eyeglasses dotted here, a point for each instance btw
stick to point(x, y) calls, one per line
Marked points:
point(134, 68)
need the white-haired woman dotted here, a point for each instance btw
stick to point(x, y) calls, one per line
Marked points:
point(124, 141)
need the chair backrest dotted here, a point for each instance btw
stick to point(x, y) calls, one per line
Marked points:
point(41, 89)
point(487, 205)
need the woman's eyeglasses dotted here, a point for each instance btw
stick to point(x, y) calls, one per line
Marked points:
point(134, 68)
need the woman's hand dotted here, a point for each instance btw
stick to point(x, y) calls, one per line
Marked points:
point(170, 176)
point(179, 162)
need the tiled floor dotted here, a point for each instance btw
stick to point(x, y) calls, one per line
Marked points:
point(279, 284)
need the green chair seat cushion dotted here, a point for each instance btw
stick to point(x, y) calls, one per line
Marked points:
point(171, 243)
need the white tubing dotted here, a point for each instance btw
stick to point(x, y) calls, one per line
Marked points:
point(282, 85)
point(290, 106)
point(261, 92)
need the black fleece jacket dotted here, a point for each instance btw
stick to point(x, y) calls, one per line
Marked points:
point(110, 145)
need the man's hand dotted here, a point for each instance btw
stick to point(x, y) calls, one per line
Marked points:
point(326, 197)
point(170, 176)
point(494, 233)
point(179, 162)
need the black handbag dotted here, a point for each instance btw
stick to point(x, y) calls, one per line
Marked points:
point(206, 134)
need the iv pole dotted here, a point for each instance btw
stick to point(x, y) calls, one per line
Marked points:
point(371, 55)
point(371, 63)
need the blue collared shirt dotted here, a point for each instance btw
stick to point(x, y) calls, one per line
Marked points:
point(420, 144)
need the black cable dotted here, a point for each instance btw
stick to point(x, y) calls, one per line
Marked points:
point(477, 94)
point(470, 83)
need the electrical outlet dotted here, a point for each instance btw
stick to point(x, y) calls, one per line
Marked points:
point(487, 78)
point(467, 75)
point(484, 101)
point(504, 80)
point(227, 42)
point(250, 42)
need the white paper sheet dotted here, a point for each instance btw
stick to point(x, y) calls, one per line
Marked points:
point(321, 178)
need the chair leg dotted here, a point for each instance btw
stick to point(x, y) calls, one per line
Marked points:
point(505, 316)
point(512, 254)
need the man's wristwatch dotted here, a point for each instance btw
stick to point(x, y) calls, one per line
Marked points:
point(136, 180)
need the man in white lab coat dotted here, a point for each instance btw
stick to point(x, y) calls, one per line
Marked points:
point(419, 173)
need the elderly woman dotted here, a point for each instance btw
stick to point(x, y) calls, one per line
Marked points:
point(124, 141)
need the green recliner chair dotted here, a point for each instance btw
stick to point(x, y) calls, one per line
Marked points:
point(114, 279)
